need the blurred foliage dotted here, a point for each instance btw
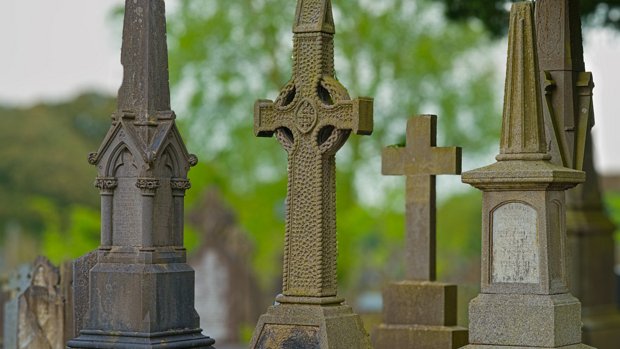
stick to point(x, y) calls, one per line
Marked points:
point(43, 155)
point(225, 55)
point(494, 13)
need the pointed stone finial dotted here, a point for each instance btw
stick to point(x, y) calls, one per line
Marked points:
point(523, 132)
point(145, 89)
point(314, 16)
point(559, 33)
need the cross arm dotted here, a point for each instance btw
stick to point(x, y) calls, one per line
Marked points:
point(355, 115)
point(267, 119)
point(393, 161)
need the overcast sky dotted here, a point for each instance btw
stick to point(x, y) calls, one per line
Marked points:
point(54, 49)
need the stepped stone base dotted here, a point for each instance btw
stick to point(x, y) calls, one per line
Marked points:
point(419, 314)
point(116, 340)
point(310, 326)
point(602, 330)
point(412, 336)
point(538, 321)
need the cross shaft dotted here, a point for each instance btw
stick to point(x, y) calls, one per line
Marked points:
point(420, 160)
point(312, 118)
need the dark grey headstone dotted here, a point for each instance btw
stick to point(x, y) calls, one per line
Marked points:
point(81, 270)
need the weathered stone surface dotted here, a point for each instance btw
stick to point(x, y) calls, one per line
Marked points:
point(420, 303)
point(569, 117)
point(39, 314)
point(81, 285)
point(524, 300)
point(301, 326)
point(420, 336)
point(141, 291)
point(312, 118)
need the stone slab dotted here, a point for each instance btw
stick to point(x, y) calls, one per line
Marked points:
point(525, 320)
point(420, 303)
point(427, 337)
point(301, 326)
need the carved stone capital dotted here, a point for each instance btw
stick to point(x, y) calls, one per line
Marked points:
point(180, 184)
point(106, 183)
point(147, 185)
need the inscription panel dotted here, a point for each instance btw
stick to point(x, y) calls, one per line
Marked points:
point(514, 242)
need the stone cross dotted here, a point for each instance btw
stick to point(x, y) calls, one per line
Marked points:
point(421, 161)
point(141, 290)
point(312, 118)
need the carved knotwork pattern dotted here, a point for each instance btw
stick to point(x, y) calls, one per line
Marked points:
point(106, 183)
point(306, 116)
point(313, 12)
point(147, 183)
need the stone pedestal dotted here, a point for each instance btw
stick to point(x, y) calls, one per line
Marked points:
point(422, 314)
point(310, 326)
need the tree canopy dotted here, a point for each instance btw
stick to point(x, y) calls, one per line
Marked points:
point(494, 13)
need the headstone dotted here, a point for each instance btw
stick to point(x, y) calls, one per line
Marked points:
point(312, 118)
point(225, 254)
point(569, 118)
point(38, 315)
point(141, 291)
point(524, 299)
point(420, 312)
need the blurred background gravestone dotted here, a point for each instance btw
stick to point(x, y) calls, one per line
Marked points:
point(39, 313)
point(228, 300)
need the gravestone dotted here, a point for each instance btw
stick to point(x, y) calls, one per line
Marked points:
point(225, 254)
point(38, 316)
point(141, 290)
point(524, 299)
point(420, 312)
point(81, 285)
point(569, 117)
point(312, 118)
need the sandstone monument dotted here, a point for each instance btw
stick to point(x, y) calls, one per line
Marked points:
point(312, 118)
point(141, 291)
point(420, 312)
point(524, 299)
point(569, 117)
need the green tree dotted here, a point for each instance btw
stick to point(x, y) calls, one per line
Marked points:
point(225, 55)
point(494, 13)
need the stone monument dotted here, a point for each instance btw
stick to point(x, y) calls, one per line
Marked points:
point(569, 117)
point(312, 118)
point(524, 300)
point(420, 312)
point(141, 291)
point(38, 315)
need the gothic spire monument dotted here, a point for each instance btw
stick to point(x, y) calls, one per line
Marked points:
point(569, 117)
point(524, 301)
point(141, 291)
point(312, 118)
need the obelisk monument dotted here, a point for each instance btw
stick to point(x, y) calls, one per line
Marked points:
point(141, 291)
point(569, 117)
point(312, 119)
point(524, 300)
point(420, 312)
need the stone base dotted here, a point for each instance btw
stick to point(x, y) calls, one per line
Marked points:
point(512, 320)
point(419, 314)
point(412, 336)
point(479, 346)
point(310, 326)
point(602, 330)
point(116, 340)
